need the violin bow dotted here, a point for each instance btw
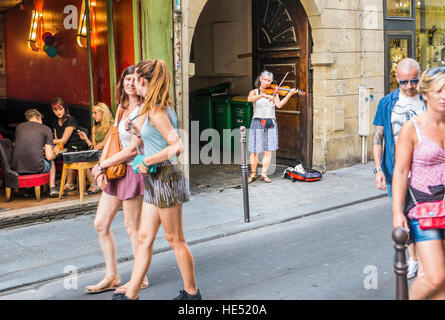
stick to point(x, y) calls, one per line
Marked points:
point(278, 87)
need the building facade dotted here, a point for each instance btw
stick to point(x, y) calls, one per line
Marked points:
point(342, 52)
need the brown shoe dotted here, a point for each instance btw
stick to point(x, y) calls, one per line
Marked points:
point(252, 178)
point(265, 179)
point(105, 284)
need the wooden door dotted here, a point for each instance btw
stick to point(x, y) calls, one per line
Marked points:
point(280, 45)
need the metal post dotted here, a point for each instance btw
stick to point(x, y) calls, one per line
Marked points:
point(244, 171)
point(136, 32)
point(111, 55)
point(90, 60)
point(400, 236)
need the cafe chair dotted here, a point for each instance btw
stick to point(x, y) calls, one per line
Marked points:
point(12, 180)
point(29, 181)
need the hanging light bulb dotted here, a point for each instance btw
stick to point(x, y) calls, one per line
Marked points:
point(34, 38)
point(82, 31)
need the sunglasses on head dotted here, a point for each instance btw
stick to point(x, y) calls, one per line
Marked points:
point(405, 82)
point(57, 107)
point(433, 71)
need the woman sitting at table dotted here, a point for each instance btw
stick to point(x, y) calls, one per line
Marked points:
point(103, 121)
point(64, 126)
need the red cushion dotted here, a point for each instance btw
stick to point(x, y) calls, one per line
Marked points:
point(33, 180)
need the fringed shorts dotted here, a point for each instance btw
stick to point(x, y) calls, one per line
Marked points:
point(167, 186)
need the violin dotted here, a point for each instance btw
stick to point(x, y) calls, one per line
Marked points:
point(282, 91)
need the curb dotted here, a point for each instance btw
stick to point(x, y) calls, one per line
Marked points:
point(227, 229)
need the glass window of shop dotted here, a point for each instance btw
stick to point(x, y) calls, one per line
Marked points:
point(398, 8)
point(430, 33)
point(414, 29)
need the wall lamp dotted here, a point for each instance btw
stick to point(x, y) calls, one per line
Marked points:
point(82, 31)
point(35, 32)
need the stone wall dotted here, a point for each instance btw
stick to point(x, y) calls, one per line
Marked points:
point(348, 51)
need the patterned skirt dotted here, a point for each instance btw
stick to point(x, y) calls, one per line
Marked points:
point(167, 187)
point(261, 138)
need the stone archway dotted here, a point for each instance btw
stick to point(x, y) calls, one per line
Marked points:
point(313, 9)
point(320, 58)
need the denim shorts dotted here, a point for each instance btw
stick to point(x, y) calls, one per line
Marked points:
point(425, 235)
point(47, 166)
point(389, 190)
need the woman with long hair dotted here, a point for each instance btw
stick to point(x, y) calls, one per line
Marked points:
point(127, 191)
point(420, 149)
point(103, 119)
point(167, 188)
point(64, 126)
point(263, 133)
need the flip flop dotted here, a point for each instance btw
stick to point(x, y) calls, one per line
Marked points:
point(69, 187)
point(93, 192)
point(104, 285)
point(144, 285)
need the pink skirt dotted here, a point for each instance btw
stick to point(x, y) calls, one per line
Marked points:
point(127, 187)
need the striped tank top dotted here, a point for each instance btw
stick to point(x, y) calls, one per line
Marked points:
point(427, 171)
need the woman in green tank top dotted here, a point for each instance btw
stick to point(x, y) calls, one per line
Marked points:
point(104, 120)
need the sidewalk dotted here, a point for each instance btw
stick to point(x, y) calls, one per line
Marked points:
point(48, 251)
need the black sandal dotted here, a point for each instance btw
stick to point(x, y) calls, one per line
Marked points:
point(252, 178)
point(265, 179)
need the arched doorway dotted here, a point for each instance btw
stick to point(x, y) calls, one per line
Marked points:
point(271, 34)
point(281, 45)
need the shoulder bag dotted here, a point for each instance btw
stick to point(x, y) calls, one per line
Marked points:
point(118, 170)
point(431, 215)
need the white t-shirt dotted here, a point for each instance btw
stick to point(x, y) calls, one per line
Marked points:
point(405, 109)
point(124, 135)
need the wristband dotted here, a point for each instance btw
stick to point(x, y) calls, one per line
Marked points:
point(145, 164)
point(100, 167)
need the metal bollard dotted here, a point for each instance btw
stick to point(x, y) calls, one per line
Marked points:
point(400, 236)
point(244, 172)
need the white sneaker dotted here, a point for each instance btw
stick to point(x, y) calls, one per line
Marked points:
point(412, 268)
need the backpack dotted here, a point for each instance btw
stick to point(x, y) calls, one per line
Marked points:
point(302, 174)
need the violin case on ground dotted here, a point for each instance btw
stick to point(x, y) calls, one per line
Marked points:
point(81, 156)
point(302, 174)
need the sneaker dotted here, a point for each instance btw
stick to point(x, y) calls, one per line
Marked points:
point(53, 192)
point(412, 268)
point(183, 295)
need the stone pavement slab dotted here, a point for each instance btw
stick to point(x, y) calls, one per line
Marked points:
point(42, 252)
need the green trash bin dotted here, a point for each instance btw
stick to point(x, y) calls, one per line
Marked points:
point(201, 106)
point(223, 120)
point(242, 112)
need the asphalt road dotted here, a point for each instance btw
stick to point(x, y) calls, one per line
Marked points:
point(344, 254)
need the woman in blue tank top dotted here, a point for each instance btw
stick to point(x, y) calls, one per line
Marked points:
point(166, 188)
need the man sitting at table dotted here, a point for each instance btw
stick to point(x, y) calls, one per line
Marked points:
point(33, 151)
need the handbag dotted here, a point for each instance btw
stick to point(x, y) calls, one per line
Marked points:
point(118, 170)
point(431, 215)
point(138, 159)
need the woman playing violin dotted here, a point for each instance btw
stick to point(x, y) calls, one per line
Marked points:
point(263, 134)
